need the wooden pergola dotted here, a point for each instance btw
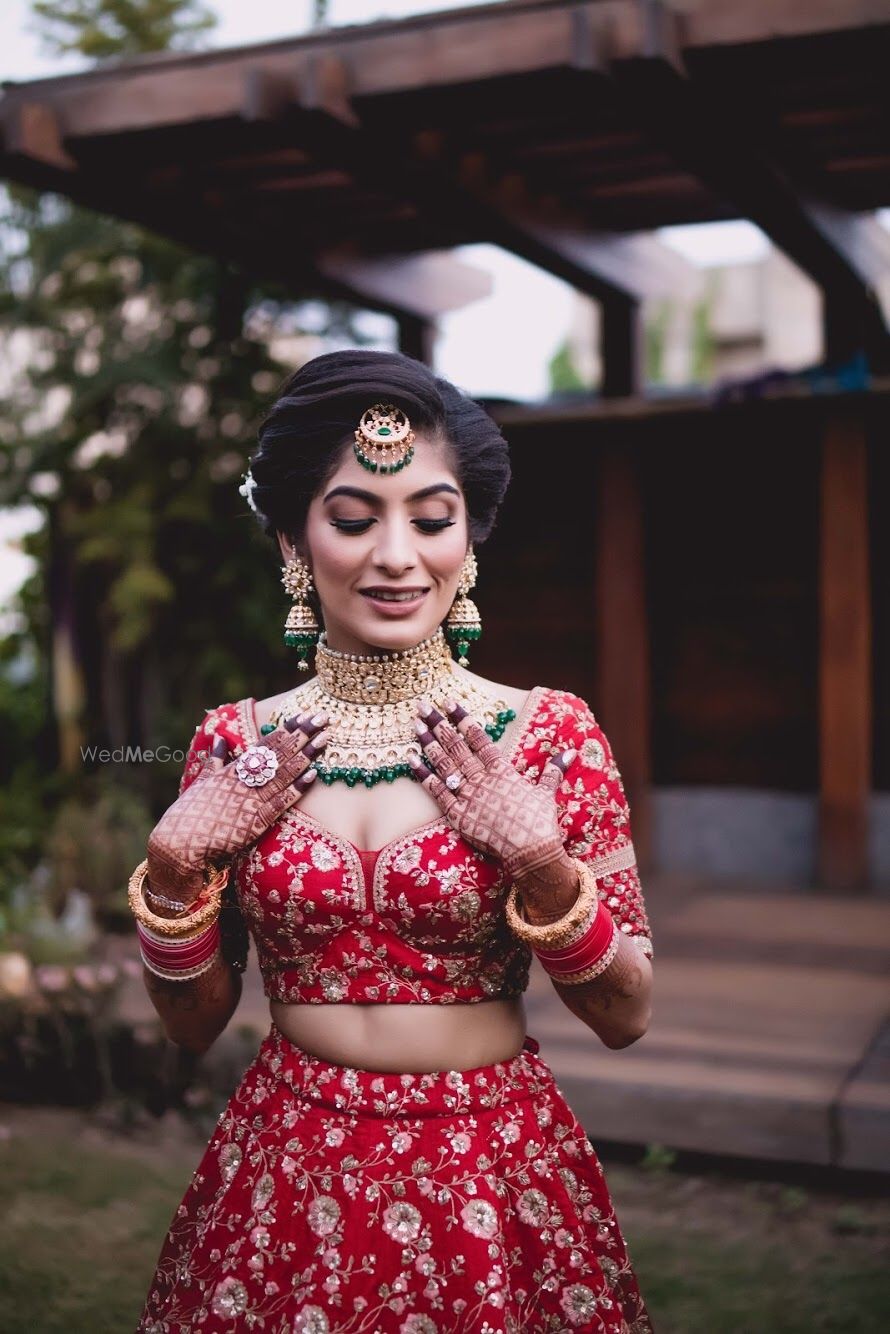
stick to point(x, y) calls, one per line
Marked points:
point(351, 162)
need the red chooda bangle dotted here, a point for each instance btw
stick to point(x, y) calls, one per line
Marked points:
point(589, 955)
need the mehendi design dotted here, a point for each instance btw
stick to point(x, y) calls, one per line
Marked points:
point(340, 1201)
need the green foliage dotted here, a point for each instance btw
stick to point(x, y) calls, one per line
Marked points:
point(658, 1158)
point(851, 1221)
point(138, 374)
point(564, 374)
point(161, 394)
point(101, 29)
point(655, 340)
point(703, 347)
point(95, 841)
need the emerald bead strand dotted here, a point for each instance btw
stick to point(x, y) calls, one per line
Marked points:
point(388, 773)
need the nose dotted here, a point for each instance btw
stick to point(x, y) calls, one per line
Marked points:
point(395, 551)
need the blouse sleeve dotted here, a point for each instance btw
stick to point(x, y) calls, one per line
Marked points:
point(219, 721)
point(595, 818)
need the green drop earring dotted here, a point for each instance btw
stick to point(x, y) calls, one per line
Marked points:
point(463, 625)
point(301, 629)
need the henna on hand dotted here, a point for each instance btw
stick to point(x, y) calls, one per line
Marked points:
point(549, 891)
point(219, 815)
point(493, 806)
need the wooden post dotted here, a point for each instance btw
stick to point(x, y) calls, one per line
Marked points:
point(417, 338)
point(622, 638)
point(845, 687)
point(621, 348)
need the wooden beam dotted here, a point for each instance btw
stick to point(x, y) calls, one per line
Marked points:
point(433, 50)
point(861, 239)
point(634, 265)
point(622, 640)
point(845, 660)
point(31, 132)
point(417, 338)
point(767, 20)
point(425, 51)
point(603, 265)
point(709, 140)
point(424, 286)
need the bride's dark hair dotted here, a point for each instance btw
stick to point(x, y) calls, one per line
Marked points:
point(301, 441)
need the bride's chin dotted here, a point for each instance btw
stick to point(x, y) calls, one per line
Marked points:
point(394, 637)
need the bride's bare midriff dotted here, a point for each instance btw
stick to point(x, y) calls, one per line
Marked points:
point(405, 1039)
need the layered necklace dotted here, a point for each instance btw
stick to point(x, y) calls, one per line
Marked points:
point(371, 703)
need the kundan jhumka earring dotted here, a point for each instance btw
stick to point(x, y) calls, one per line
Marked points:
point(462, 624)
point(301, 629)
point(384, 440)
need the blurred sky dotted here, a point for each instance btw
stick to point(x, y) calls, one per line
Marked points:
point(492, 347)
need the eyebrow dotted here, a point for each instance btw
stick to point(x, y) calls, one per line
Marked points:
point(357, 494)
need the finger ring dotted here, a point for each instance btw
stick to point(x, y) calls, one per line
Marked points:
point(256, 766)
point(453, 781)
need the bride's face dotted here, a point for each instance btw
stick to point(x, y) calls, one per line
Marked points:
point(386, 552)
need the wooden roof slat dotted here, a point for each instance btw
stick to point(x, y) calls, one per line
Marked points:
point(591, 121)
point(425, 285)
point(708, 139)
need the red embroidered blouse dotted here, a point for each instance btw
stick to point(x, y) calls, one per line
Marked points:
point(421, 919)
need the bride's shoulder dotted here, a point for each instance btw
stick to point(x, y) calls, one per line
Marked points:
point(560, 703)
point(267, 709)
point(513, 696)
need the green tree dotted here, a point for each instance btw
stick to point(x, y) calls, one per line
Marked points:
point(655, 340)
point(99, 29)
point(140, 371)
point(564, 374)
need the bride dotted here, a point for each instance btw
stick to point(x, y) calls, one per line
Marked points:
point(398, 835)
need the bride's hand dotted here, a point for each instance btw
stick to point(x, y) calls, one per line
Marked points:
point(230, 805)
point(487, 801)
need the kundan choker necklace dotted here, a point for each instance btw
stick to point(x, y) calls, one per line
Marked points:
point(371, 702)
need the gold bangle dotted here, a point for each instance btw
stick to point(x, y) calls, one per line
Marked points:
point(555, 935)
point(207, 902)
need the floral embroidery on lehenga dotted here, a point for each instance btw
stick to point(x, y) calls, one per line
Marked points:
point(368, 1203)
point(339, 1201)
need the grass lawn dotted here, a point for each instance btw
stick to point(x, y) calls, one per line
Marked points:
point(83, 1212)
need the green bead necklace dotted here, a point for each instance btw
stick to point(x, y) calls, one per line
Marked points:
point(372, 702)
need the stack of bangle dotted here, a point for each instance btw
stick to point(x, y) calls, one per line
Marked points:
point(581, 944)
point(183, 947)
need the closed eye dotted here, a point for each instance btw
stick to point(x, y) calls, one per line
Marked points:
point(362, 525)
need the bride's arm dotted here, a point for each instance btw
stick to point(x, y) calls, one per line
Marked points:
point(617, 1005)
point(194, 1013)
point(595, 821)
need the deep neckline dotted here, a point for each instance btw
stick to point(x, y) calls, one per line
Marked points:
point(524, 720)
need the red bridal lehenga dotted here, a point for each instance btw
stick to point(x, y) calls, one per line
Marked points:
point(333, 1200)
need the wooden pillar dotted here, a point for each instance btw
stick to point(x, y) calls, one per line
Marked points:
point(622, 637)
point(417, 338)
point(845, 659)
point(621, 348)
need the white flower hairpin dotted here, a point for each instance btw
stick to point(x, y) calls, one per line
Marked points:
point(247, 488)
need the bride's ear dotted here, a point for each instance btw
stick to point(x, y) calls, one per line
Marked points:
point(286, 547)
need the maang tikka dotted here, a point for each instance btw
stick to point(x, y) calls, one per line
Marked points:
point(301, 629)
point(463, 625)
point(384, 441)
